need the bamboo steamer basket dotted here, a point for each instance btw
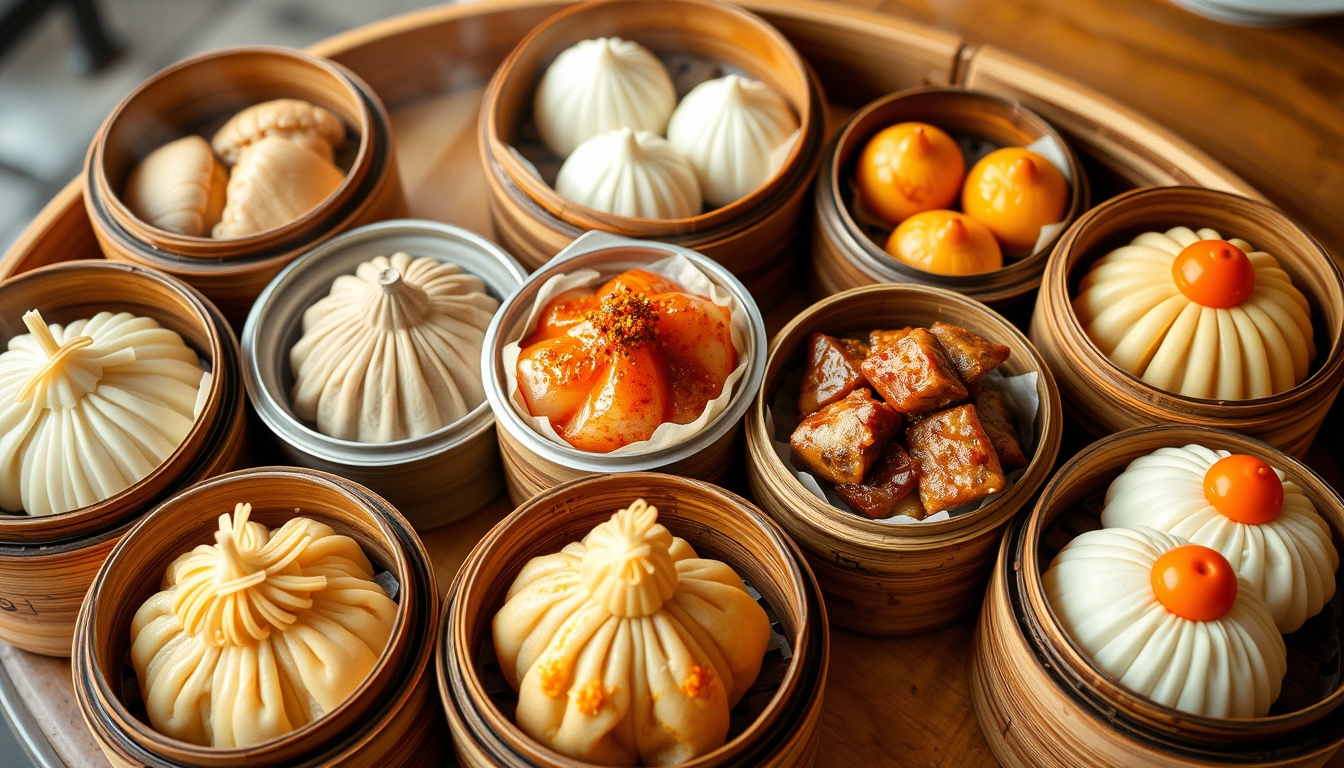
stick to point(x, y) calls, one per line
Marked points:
point(533, 463)
point(888, 579)
point(754, 236)
point(1103, 398)
point(434, 479)
point(48, 562)
point(845, 256)
point(391, 719)
point(1042, 702)
point(196, 96)
point(718, 525)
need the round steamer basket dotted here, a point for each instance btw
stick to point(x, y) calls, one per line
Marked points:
point(845, 256)
point(1103, 398)
point(47, 562)
point(198, 95)
point(1042, 702)
point(753, 237)
point(533, 463)
point(718, 525)
point(433, 479)
point(884, 578)
point(391, 719)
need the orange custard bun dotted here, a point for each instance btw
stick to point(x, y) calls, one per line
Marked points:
point(908, 168)
point(624, 352)
point(1015, 192)
point(945, 243)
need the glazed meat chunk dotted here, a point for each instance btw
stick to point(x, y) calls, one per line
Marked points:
point(972, 355)
point(890, 480)
point(832, 371)
point(914, 374)
point(1000, 424)
point(841, 441)
point(956, 459)
point(880, 339)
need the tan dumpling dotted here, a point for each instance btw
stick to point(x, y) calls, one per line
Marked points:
point(275, 182)
point(178, 188)
point(293, 119)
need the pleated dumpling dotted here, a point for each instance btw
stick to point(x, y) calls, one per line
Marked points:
point(1193, 314)
point(599, 85)
point(178, 187)
point(1239, 505)
point(260, 633)
point(729, 129)
point(631, 173)
point(393, 351)
point(627, 648)
point(90, 408)
point(1169, 620)
point(274, 182)
point(294, 119)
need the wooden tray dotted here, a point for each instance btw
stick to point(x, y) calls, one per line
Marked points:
point(902, 702)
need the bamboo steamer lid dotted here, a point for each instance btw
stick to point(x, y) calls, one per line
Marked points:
point(718, 525)
point(1103, 398)
point(886, 579)
point(47, 562)
point(196, 95)
point(1042, 702)
point(391, 719)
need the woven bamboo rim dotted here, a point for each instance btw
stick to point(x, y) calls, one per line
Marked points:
point(1104, 398)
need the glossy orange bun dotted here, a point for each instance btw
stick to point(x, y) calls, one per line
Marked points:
point(1214, 273)
point(1015, 192)
point(1244, 488)
point(1195, 582)
point(908, 168)
point(945, 243)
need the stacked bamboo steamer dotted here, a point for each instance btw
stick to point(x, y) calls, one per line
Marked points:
point(390, 719)
point(753, 237)
point(845, 255)
point(881, 578)
point(718, 525)
point(1042, 702)
point(48, 562)
point(1103, 398)
point(196, 95)
point(533, 463)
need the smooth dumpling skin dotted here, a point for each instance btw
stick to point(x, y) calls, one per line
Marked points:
point(729, 129)
point(383, 360)
point(628, 173)
point(1289, 560)
point(274, 182)
point(599, 85)
point(294, 119)
point(100, 420)
point(178, 188)
point(1100, 588)
point(1130, 307)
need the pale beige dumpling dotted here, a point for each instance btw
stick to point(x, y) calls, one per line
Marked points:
point(627, 648)
point(298, 121)
point(260, 633)
point(178, 188)
point(394, 351)
point(275, 182)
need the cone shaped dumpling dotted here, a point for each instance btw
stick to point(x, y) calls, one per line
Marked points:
point(275, 182)
point(178, 188)
point(299, 121)
point(393, 352)
point(631, 173)
point(945, 243)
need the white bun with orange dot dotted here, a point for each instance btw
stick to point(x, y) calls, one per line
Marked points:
point(1101, 588)
point(1246, 337)
point(1288, 557)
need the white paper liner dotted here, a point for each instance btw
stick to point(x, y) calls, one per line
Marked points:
point(1018, 391)
point(689, 276)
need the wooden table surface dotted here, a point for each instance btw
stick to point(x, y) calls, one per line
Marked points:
point(1268, 104)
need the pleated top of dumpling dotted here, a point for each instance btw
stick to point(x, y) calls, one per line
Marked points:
point(599, 85)
point(260, 633)
point(274, 182)
point(294, 119)
point(1225, 324)
point(1281, 545)
point(730, 129)
point(178, 187)
point(90, 408)
point(393, 352)
point(627, 648)
point(629, 173)
point(1101, 588)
